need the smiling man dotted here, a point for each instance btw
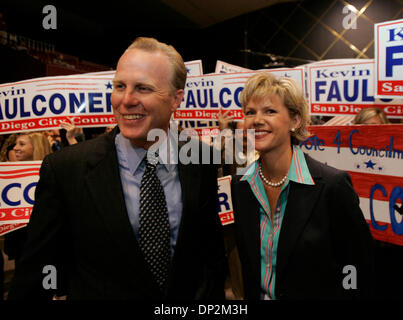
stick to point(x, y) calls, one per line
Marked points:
point(148, 87)
point(113, 223)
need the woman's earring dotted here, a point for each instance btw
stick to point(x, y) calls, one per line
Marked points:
point(292, 130)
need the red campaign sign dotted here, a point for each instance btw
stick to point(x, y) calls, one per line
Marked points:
point(373, 156)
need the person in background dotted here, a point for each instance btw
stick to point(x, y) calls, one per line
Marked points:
point(54, 138)
point(7, 152)
point(73, 135)
point(109, 129)
point(298, 223)
point(239, 154)
point(31, 146)
point(59, 139)
point(371, 116)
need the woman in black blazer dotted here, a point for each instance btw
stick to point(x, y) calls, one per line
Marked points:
point(299, 228)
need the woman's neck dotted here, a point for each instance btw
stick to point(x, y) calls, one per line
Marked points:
point(276, 163)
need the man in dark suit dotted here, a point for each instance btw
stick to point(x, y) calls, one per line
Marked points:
point(87, 220)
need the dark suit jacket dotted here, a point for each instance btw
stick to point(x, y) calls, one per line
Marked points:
point(80, 225)
point(323, 230)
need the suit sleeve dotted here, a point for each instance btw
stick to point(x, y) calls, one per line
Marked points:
point(352, 239)
point(44, 245)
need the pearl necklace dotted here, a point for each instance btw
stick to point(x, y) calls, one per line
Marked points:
point(271, 184)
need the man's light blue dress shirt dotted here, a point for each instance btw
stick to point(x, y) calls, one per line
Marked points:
point(132, 167)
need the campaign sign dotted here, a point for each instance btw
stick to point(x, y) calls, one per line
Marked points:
point(225, 210)
point(373, 156)
point(7, 228)
point(389, 59)
point(41, 104)
point(205, 95)
point(325, 62)
point(18, 181)
point(345, 89)
point(194, 68)
point(224, 67)
point(200, 129)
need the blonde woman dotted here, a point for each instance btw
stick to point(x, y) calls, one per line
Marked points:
point(298, 222)
point(371, 116)
point(31, 146)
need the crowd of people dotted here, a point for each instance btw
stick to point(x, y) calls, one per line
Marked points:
point(298, 223)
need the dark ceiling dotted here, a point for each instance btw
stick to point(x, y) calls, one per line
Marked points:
point(100, 31)
point(96, 31)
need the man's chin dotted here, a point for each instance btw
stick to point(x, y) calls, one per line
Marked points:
point(132, 135)
point(139, 137)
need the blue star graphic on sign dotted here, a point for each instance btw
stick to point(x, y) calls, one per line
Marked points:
point(108, 85)
point(370, 164)
point(187, 70)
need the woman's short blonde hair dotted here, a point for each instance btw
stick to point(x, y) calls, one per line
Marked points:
point(367, 113)
point(263, 84)
point(178, 67)
point(40, 144)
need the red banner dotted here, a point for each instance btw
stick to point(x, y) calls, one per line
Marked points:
point(373, 156)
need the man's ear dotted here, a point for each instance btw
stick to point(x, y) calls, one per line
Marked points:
point(178, 96)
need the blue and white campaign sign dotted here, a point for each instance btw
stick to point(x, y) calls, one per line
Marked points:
point(43, 103)
point(205, 95)
point(389, 59)
point(225, 209)
point(344, 88)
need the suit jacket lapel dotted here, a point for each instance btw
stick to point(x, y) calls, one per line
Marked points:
point(300, 204)
point(105, 188)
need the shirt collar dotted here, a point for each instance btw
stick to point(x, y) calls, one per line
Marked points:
point(298, 171)
point(131, 156)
